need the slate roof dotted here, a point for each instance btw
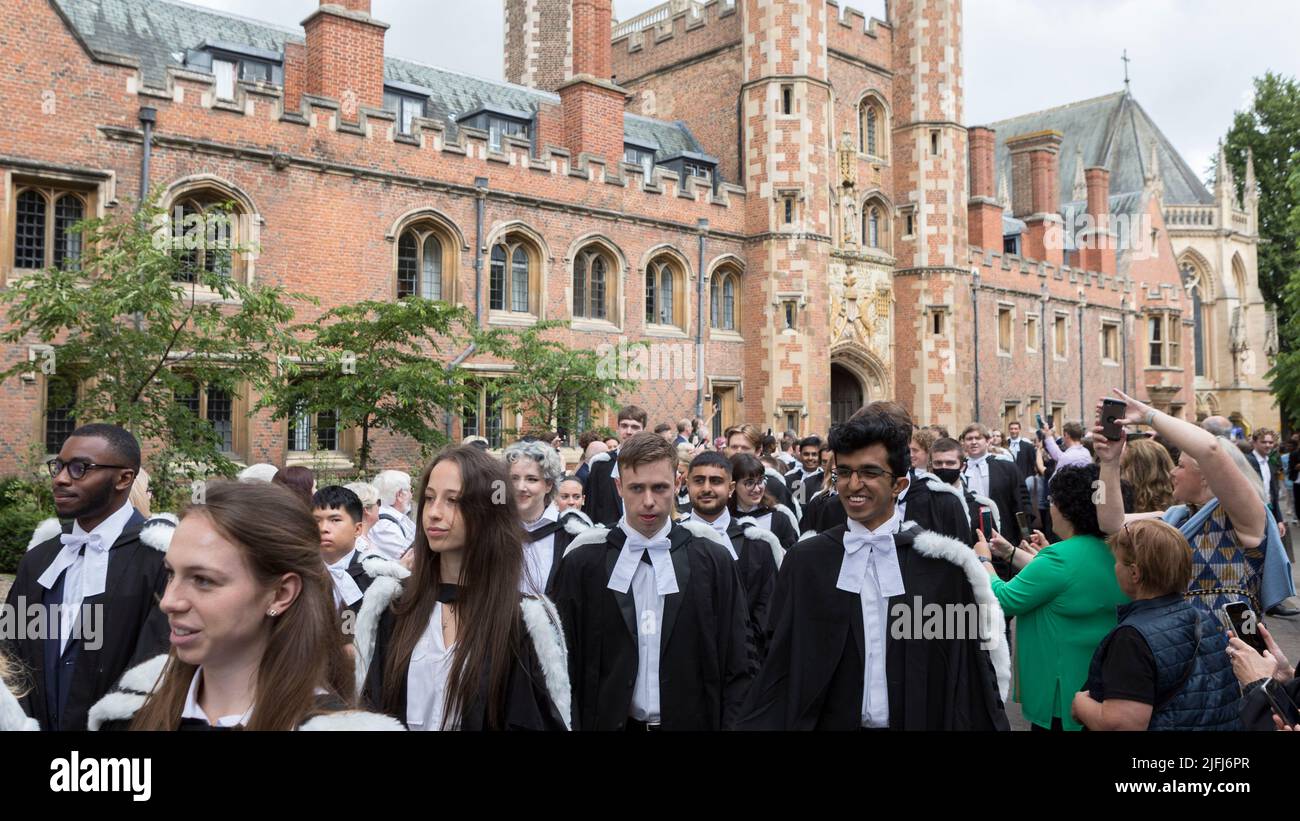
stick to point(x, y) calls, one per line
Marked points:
point(1112, 131)
point(159, 32)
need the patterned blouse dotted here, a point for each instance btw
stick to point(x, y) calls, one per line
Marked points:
point(1222, 570)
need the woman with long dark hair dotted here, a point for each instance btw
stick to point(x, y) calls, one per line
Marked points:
point(455, 645)
point(254, 632)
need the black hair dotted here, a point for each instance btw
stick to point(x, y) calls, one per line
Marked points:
point(710, 458)
point(125, 447)
point(869, 428)
point(1071, 489)
point(336, 497)
point(746, 466)
point(813, 441)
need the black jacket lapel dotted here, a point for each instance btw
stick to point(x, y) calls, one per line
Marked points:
point(682, 567)
point(613, 547)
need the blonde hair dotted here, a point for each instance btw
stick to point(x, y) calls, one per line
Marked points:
point(13, 676)
point(139, 497)
point(1148, 469)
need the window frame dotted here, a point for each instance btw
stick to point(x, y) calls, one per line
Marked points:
point(723, 276)
point(1110, 328)
point(658, 265)
point(581, 270)
point(1031, 332)
point(871, 104)
point(51, 194)
point(402, 122)
point(511, 242)
point(1006, 322)
point(421, 231)
point(1060, 336)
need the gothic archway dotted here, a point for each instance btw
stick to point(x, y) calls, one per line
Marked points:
point(858, 376)
point(846, 394)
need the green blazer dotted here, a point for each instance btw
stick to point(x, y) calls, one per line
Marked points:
point(1064, 601)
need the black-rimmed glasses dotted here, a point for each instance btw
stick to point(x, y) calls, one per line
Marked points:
point(76, 468)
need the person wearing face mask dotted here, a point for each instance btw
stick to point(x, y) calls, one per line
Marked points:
point(654, 611)
point(535, 473)
point(997, 479)
point(946, 463)
point(842, 654)
point(253, 626)
point(454, 645)
point(96, 580)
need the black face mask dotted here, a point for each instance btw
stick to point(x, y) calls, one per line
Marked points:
point(947, 475)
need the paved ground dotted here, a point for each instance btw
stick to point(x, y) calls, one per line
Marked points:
point(1286, 631)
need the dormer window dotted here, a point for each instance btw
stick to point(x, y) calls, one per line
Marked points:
point(405, 106)
point(642, 156)
point(499, 123)
point(690, 164)
point(230, 63)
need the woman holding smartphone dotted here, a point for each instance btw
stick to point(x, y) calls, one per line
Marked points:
point(455, 646)
point(254, 631)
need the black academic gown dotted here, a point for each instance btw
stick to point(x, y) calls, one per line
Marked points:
point(705, 647)
point(935, 510)
point(777, 487)
point(819, 514)
point(758, 569)
point(1024, 459)
point(132, 627)
point(558, 545)
point(781, 526)
point(602, 503)
point(527, 704)
point(813, 676)
point(810, 485)
point(359, 575)
point(1007, 490)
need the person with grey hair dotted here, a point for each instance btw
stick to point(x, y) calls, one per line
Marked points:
point(260, 472)
point(1217, 425)
point(392, 534)
point(369, 511)
point(535, 473)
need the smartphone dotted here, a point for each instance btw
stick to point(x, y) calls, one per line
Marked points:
point(1039, 418)
point(1112, 419)
point(1023, 521)
point(1284, 708)
point(1243, 623)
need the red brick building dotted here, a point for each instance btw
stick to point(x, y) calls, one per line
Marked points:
point(779, 195)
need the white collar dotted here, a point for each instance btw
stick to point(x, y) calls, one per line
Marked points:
point(981, 460)
point(109, 530)
point(890, 526)
point(719, 524)
point(193, 710)
point(871, 551)
point(1258, 458)
point(629, 559)
point(342, 564)
point(551, 514)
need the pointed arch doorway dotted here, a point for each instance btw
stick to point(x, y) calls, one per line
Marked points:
point(847, 395)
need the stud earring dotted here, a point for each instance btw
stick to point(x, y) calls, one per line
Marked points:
point(271, 612)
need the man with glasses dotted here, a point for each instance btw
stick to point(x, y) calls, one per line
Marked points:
point(846, 648)
point(94, 582)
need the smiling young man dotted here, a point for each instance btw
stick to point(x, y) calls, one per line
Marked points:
point(842, 653)
point(806, 479)
point(98, 561)
point(603, 505)
point(758, 553)
point(654, 613)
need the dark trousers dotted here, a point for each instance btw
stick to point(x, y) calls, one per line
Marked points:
point(1056, 727)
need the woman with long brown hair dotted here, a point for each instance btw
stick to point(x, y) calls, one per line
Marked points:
point(456, 645)
point(254, 632)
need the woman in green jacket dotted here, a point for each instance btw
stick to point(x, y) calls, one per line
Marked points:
point(1065, 600)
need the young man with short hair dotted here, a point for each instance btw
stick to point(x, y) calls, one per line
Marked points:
point(654, 612)
point(1021, 450)
point(603, 505)
point(341, 518)
point(806, 479)
point(843, 649)
point(96, 581)
point(997, 479)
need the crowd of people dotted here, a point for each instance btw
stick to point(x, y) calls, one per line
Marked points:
point(668, 580)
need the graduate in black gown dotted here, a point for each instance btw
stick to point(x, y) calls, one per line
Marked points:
point(254, 629)
point(602, 504)
point(806, 480)
point(96, 571)
point(752, 498)
point(846, 649)
point(455, 645)
point(757, 552)
point(655, 615)
point(339, 514)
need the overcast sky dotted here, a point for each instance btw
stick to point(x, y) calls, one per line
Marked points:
point(1192, 60)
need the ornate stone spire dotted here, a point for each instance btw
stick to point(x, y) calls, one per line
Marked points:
point(1080, 192)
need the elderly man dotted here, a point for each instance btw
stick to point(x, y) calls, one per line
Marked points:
point(392, 535)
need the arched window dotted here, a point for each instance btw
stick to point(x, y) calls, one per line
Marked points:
point(877, 232)
point(43, 235)
point(205, 234)
point(663, 293)
point(1193, 282)
point(873, 128)
point(592, 284)
point(514, 283)
point(420, 263)
point(723, 293)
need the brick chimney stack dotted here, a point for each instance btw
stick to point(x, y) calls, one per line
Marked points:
point(344, 56)
point(1097, 244)
point(984, 212)
point(592, 105)
point(1036, 194)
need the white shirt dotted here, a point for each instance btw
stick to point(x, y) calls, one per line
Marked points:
point(1266, 473)
point(719, 524)
point(108, 531)
point(193, 710)
point(977, 475)
point(539, 555)
point(649, 609)
point(390, 539)
point(426, 679)
point(1013, 446)
point(336, 570)
point(875, 627)
point(764, 521)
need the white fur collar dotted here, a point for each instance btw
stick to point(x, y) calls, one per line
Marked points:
point(575, 521)
point(756, 534)
point(158, 531)
point(993, 508)
point(135, 686)
point(383, 591)
point(592, 535)
point(545, 631)
point(12, 717)
point(352, 721)
point(806, 535)
point(603, 456)
point(789, 514)
point(703, 530)
point(377, 565)
point(143, 677)
point(46, 530)
point(937, 546)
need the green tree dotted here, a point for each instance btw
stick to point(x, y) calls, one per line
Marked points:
point(552, 384)
point(376, 366)
point(141, 320)
point(1285, 374)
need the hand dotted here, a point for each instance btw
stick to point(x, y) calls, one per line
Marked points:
point(1248, 665)
point(1277, 722)
point(1080, 696)
point(1284, 671)
point(1038, 540)
point(982, 549)
point(1108, 452)
point(1001, 546)
point(1026, 547)
point(1135, 412)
